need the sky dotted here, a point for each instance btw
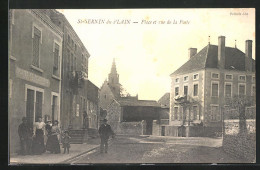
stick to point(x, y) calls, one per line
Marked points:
point(146, 54)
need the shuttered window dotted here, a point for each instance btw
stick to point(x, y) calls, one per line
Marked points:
point(214, 89)
point(56, 59)
point(36, 47)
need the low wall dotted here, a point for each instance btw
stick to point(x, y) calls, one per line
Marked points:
point(192, 131)
point(132, 128)
point(240, 145)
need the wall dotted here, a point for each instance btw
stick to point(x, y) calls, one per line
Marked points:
point(131, 128)
point(106, 96)
point(189, 83)
point(22, 74)
point(221, 100)
point(242, 146)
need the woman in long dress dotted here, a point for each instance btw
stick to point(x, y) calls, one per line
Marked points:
point(38, 137)
point(53, 142)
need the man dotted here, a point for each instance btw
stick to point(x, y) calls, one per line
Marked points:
point(105, 131)
point(25, 134)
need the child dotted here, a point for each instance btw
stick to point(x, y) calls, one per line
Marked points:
point(66, 141)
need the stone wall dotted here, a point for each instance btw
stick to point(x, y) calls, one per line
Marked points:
point(131, 128)
point(242, 146)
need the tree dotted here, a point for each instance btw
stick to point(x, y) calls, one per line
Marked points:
point(240, 102)
point(123, 92)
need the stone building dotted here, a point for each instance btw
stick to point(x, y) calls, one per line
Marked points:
point(112, 89)
point(75, 84)
point(128, 116)
point(35, 55)
point(201, 87)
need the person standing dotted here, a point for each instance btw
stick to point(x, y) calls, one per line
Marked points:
point(25, 134)
point(38, 146)
point(53, 142)
point(105, 131)
point(48, 129)
point(66, 142)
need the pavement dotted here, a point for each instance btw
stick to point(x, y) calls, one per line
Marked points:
point(48, 158)
point(161, 149)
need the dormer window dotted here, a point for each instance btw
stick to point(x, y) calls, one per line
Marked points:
point(177, 80)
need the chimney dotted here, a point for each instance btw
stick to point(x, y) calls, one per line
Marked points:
point(221, 51)
point(248, 58)
point(192, 52)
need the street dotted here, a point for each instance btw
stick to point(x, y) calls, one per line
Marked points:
point(144, 149)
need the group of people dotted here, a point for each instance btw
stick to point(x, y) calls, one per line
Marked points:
point(32, 138)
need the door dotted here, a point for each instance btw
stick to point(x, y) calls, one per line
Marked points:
point(38, 105)
point(163, 131)
point(54, 109)
point(149, 127)
point(30, 106)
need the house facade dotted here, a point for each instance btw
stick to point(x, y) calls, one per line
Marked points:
point(35, 55)
point(202, 87)
point(75, 100)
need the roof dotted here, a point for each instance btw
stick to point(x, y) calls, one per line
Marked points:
point(131, 102)
point(208, 58)
point(164, 101)
point(92, 92)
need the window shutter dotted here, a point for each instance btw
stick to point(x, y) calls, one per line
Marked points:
point(36, 47)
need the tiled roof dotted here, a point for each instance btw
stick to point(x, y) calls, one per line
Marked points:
point(208, 58)
point(132, 102)
point(164, 101)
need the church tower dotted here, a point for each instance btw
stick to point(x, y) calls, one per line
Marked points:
point(113, 80)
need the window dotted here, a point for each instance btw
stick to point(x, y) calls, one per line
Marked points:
point(195, 90)
point(195, 112)
point(253, 90)
point(56, 59)
point(176, 91)
point(177, 80)
point(175, 117)
point(75, 64)
point(72, 43)
point(229, 77)
point(68, 60)
point(214, 89)
point(68, 39)
point(253, 79)
point(215, 75)
point(71, 62)
point(185, 90)
point(241, 89)
point(242, 78)
point(215, 115)
point(195, 76)
point(36, 47)
point(228, 90)
point(75, 47)
point(186, 78)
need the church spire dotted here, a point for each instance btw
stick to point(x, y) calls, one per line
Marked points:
point(113, 80)
point(113, 68)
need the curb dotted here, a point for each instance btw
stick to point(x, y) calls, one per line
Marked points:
point(67, 161)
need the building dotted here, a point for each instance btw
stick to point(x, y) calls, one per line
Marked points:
point(202, 86)
point(128, 116)
point(35, 55)
point(75, 86)
point(112, 89)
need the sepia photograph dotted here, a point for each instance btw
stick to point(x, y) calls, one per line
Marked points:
point(131, 86)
